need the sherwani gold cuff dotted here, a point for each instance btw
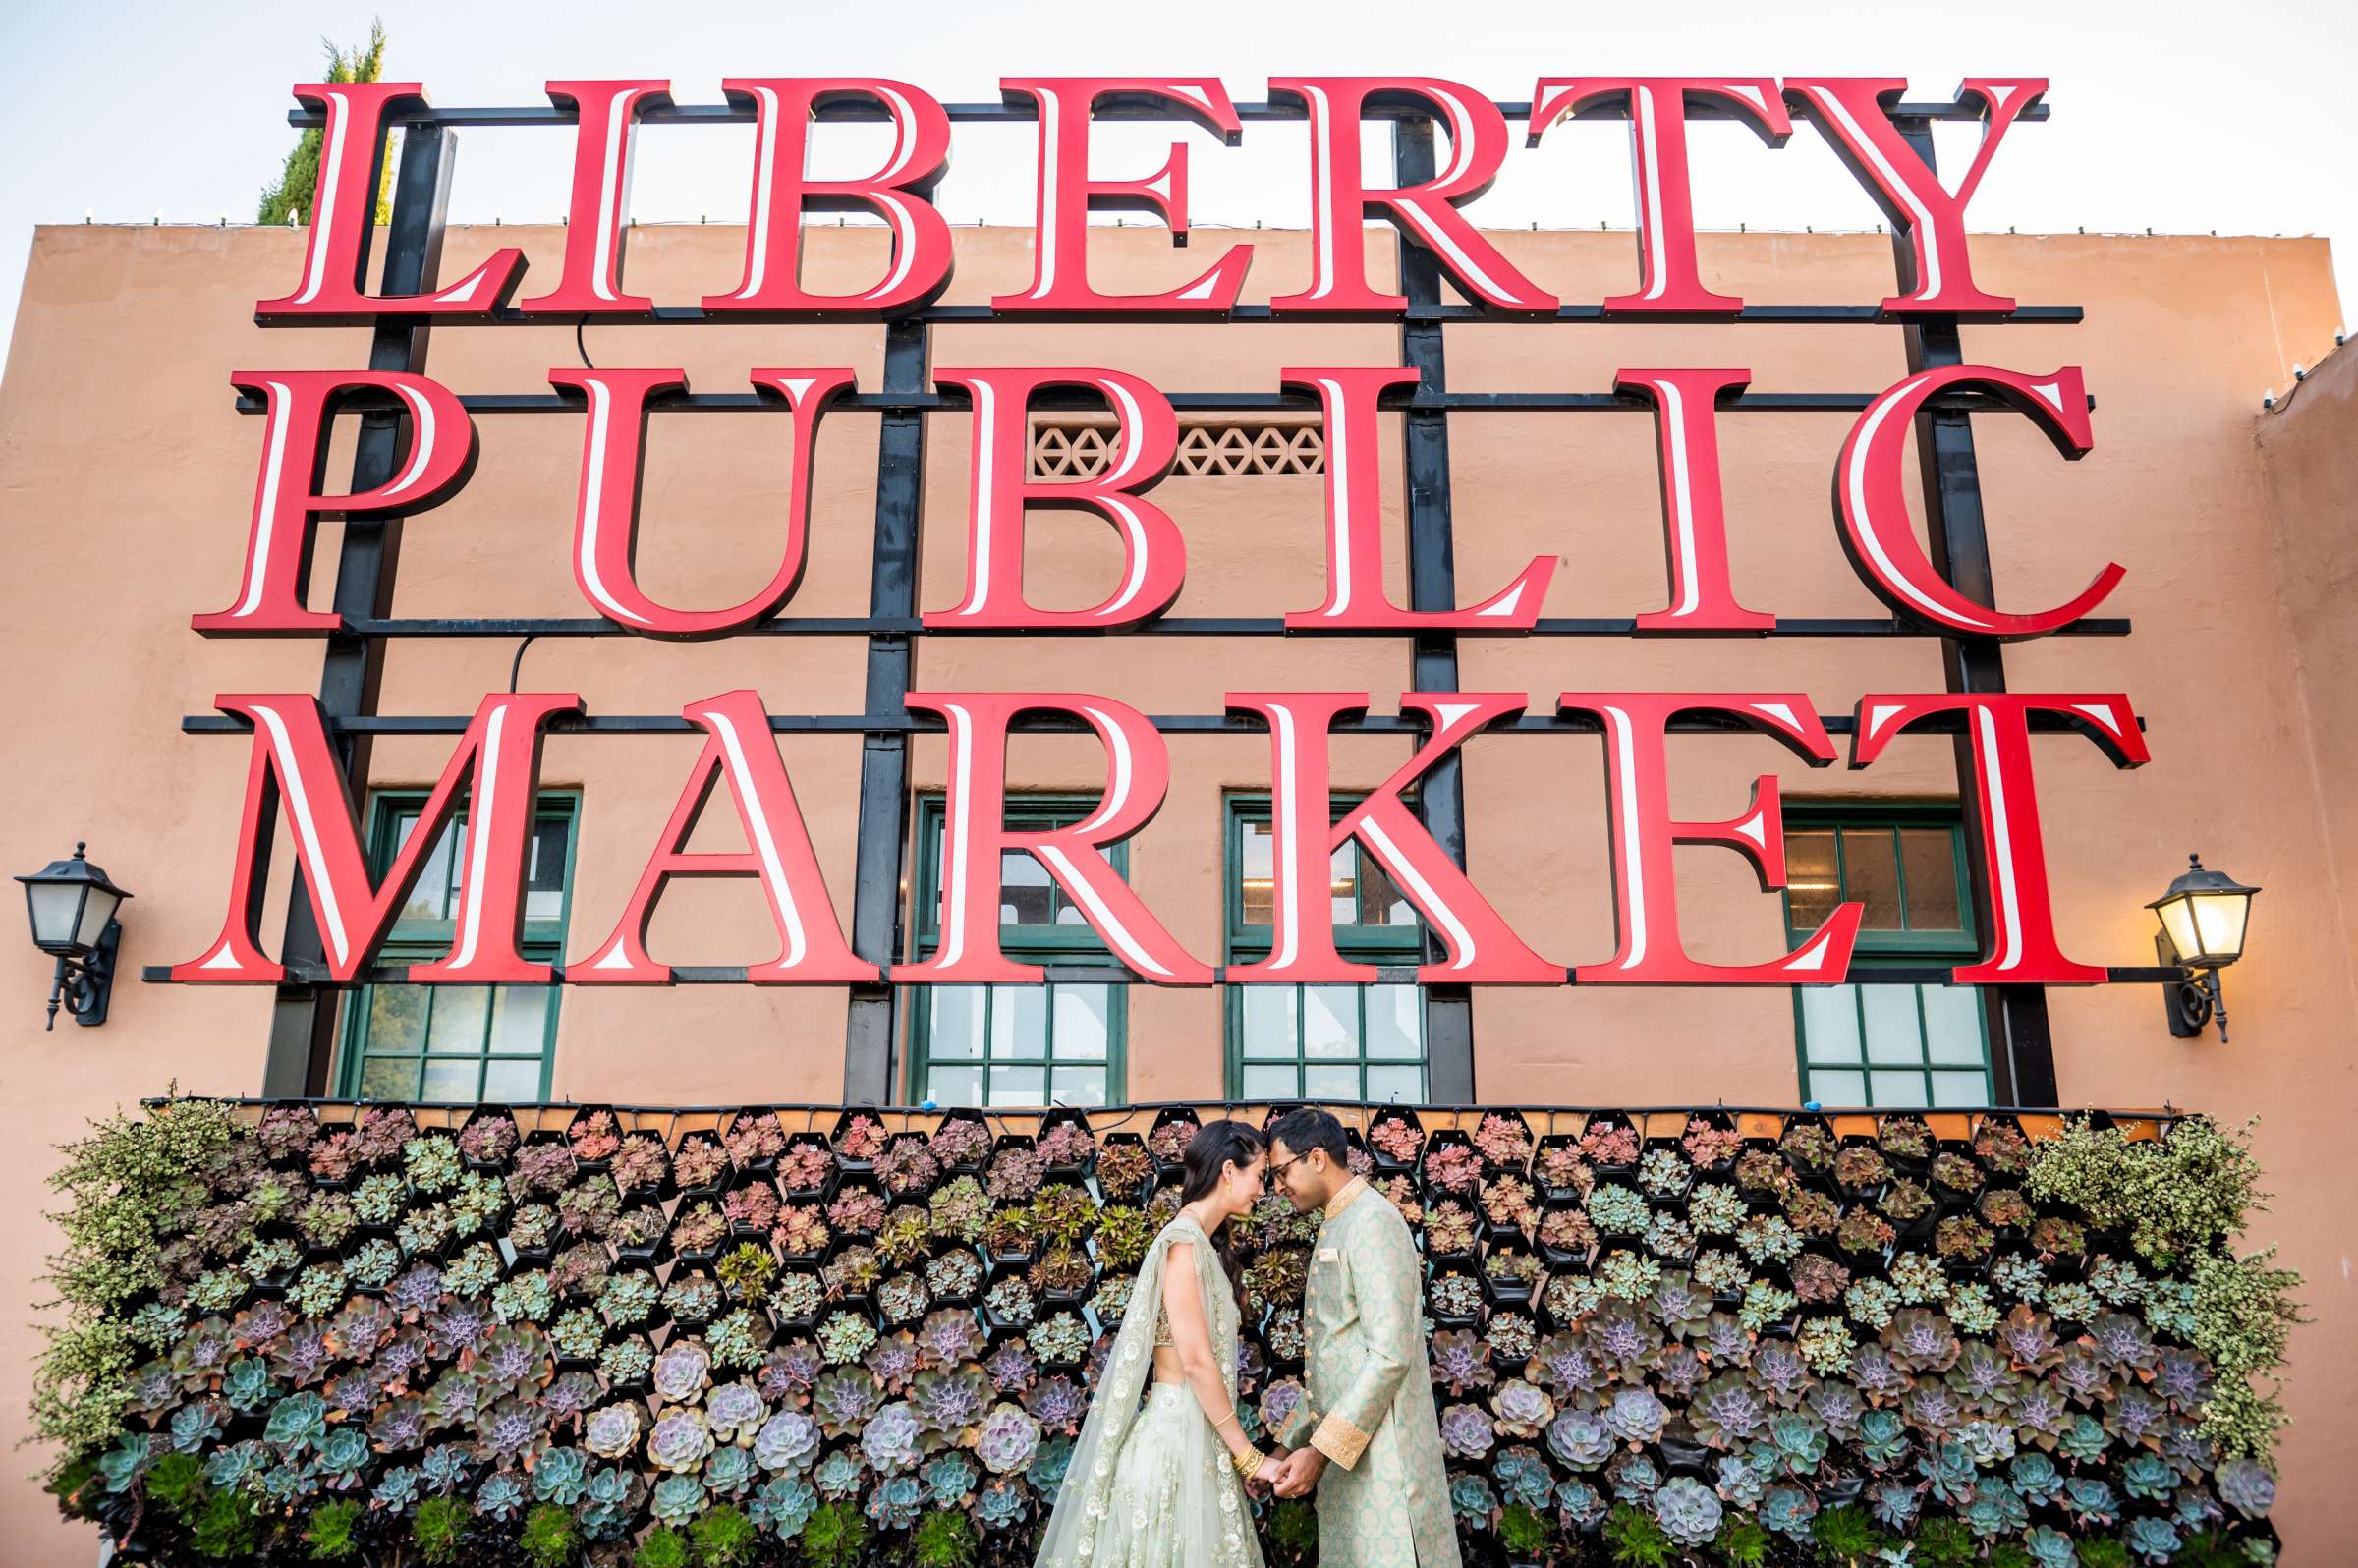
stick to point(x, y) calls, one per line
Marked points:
point(1339, 1441)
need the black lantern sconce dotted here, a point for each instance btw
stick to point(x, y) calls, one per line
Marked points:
point(72, 906)
point(2202, 917)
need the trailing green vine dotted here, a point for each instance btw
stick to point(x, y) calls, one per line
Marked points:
point(132, 1187)
point(2184, 1198)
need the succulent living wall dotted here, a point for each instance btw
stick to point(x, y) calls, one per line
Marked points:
point(558, 1335)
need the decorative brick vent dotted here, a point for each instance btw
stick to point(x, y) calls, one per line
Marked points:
point(1079, 451)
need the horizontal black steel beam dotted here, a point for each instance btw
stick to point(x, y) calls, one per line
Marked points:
point(1700, 722)
point(1163, 626)
point(1243, 315)
point(1111, 107)
point(955, 400)
point(1116, 975)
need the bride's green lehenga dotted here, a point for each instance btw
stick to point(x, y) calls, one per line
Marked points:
point(1151, 1484)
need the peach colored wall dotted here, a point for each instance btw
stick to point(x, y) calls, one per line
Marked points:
point(125, 482)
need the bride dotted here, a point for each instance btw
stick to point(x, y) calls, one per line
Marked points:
point(1160, 1483)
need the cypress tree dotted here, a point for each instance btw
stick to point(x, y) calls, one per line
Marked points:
point(290, 196)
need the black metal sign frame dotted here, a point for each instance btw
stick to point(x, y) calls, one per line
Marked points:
point(306, 1005)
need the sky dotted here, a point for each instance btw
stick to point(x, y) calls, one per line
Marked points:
point(2168, 115)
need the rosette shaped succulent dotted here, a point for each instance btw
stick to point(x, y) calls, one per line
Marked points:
point(681, 1442)
point(1008, 1439)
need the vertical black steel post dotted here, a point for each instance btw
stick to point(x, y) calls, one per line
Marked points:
point(869, 1029)
point(2022, 1059)
point(303, 1017)
point(1433, 585)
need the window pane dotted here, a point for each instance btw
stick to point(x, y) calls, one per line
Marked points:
point(1330, 1083)
point(1018, 1086)
point(389, 1078)
point(1343, 893)
point(545, 876)
point(397, 1018)
point(1396, 1083)
point(429, 895)
point(520, 1018)
point(954, 1085)
point(1026, 895)
point(460, 1018)
point(1810, 888)
point(1898, 1089)
point(513, 1080)
point(1953, 1025)
point(1256, 869)
point(1871, 877)
point(1960, 1088)
point(1329, 1019)
point(1268, 1012)
point(1892, 1031)
point(1019, 1023)
point(1829, 1024)
point(1396, 1021)
point(1379, 901)
point(1081, 1024)
point(1269, 1083)
point(1836, 1089)
point(1927, 856)
point(1080, 1086)
point(452, 1077)
point(955, 1027)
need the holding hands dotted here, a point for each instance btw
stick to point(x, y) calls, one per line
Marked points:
point(1299, 1471)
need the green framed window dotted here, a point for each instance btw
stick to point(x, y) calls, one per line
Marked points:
point(1342, 1042)
point(459, 1044)
point(987, 1045)
point(1888, 1044)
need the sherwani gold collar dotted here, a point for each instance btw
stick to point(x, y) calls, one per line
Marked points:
point(1343, 1196)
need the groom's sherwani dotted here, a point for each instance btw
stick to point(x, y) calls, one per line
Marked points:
point(1384, 1502)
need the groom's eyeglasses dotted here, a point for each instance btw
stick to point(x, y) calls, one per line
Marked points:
point(1277, 1173)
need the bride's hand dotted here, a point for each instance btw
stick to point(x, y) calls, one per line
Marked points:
point(1266, 1475)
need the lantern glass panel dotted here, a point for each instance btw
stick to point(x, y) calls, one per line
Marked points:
point(2177, 921)
point(55, 908)
point(2219, 920)
point(96, 910)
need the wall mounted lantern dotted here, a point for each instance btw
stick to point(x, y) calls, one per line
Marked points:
point(2202, 917)
point(73, 909)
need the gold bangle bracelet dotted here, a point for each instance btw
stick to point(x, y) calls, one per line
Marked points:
point(1247, 1462)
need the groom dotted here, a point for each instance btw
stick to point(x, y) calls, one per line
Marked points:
point(1374, 1444)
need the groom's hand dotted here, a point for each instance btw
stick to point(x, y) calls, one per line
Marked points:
point(1299, 1471)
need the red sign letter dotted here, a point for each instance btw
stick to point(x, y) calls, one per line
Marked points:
point(498, 765)
point(2023, 948)
point(1850, 111)
point(1482, 950)
point(599, 219)
point(1154, 554)
point(811, 948)
point(605, 536)
point(1137, 774)
point(287, 498)
point(1355, 594)
point(899, 192)
point(1694, 512)
point(1870, 502)
point(1667, 280)
point(1340, 198)
point(1067, 195)
point(352, 154)
point(1638, 796)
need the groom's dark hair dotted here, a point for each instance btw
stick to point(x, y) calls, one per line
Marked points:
point(1311, 1128)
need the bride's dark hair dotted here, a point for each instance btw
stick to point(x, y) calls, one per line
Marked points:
point(1217, 1145)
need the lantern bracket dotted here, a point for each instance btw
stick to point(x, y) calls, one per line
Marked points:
point(2193, 1000)
point(82, 986)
